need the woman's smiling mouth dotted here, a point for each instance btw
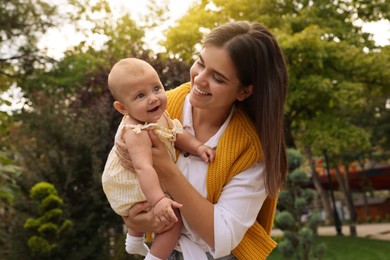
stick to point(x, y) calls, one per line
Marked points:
point(200, 92)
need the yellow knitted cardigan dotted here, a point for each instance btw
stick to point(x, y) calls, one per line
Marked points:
point(238, 148)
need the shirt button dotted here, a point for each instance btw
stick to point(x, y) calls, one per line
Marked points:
point(186, 154)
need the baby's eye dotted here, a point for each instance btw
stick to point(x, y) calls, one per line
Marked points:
point(140, 95)
point(156, 89)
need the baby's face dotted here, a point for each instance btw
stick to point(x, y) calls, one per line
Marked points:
point(145, 98)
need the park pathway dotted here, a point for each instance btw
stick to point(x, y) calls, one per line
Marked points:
point(375, 231)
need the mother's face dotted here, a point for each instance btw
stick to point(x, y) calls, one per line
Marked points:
point(214, 80)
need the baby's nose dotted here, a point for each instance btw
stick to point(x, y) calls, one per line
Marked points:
point(153, 99)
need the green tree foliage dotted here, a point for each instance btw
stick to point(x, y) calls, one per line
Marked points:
point(8, 173)
point(49, 226)
point(66, 131)
point(61, 143)
point(299, 235)
point(336, 72)
point(338, 78)
point(61, 139)
point(22, 23)
point(9, 190)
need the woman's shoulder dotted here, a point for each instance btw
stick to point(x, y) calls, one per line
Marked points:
point(176, 98)
point(242, 130)
point(183, 89)
point(241, 120)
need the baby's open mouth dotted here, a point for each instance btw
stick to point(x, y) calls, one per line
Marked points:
point(154, 109)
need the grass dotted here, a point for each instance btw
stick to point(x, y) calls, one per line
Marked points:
point(345, 248)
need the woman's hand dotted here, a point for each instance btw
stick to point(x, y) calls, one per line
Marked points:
point(161, 159)
point(123, 155)
point(141, 218)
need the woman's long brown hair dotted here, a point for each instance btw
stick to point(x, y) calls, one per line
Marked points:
point(260, 62)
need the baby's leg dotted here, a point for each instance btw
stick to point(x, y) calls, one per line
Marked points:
point(135, 243)
point(164, 243)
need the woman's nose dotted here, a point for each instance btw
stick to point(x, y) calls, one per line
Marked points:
point(201, 79)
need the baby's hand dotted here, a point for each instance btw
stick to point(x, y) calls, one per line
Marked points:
point(206, 153)
point(163, 210)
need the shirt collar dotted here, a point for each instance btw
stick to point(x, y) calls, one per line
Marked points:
point(187, 123)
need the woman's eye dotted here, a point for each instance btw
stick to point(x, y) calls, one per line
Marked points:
point(200, 63)
point(217, 79)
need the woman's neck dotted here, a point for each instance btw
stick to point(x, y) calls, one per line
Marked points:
point(206, 123)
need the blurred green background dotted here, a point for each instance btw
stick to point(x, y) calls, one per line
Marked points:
point(57, 122)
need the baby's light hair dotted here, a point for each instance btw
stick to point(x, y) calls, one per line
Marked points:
point(122, 72)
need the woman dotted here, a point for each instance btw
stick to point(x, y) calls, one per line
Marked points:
point(235, 100)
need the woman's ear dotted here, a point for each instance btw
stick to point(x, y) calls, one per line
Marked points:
point(245, 93)
point(120, 108)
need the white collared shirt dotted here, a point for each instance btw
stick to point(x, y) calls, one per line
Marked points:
point(240, 200)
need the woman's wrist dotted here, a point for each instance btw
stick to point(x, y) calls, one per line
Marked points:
point(165, 170)
point(158, 201)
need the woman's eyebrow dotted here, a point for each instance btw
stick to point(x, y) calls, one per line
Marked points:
point(215, 71)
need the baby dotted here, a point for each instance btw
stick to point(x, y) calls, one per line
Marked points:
point(141, 98)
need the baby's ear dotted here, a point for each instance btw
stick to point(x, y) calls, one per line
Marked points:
point(120, 108)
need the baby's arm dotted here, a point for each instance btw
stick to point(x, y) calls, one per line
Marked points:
point(139, 148)
point(187, 142)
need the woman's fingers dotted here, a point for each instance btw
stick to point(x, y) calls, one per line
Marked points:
point(163, 220)
point(160, 154)
point(156, 143)
point(140, 217)
point(165, 227)
point(123, 154)
point(139, 208)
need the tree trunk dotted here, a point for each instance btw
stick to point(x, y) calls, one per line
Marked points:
point(319, 188)
point(351, 207)
point(348, 199)
point(366, 207)
point(290, 141)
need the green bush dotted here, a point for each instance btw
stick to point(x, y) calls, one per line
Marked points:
point(285, 221)
point(66, 227)
point(32, 224)
point(294, 159)
point(54, 216)
point(49, 227)
point(52, 201)
point(286, 248)
point(40, 246)
point(48, 230)
point(41, 190)
point(299, 234)
point(298, 178)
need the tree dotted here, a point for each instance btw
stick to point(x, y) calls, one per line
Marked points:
point(66, 130)
point(63, 141)
point(337, 75)
point(22, 23)
point(64, 133)
point(50, 227)
point(299, 236)
point(9, 190)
